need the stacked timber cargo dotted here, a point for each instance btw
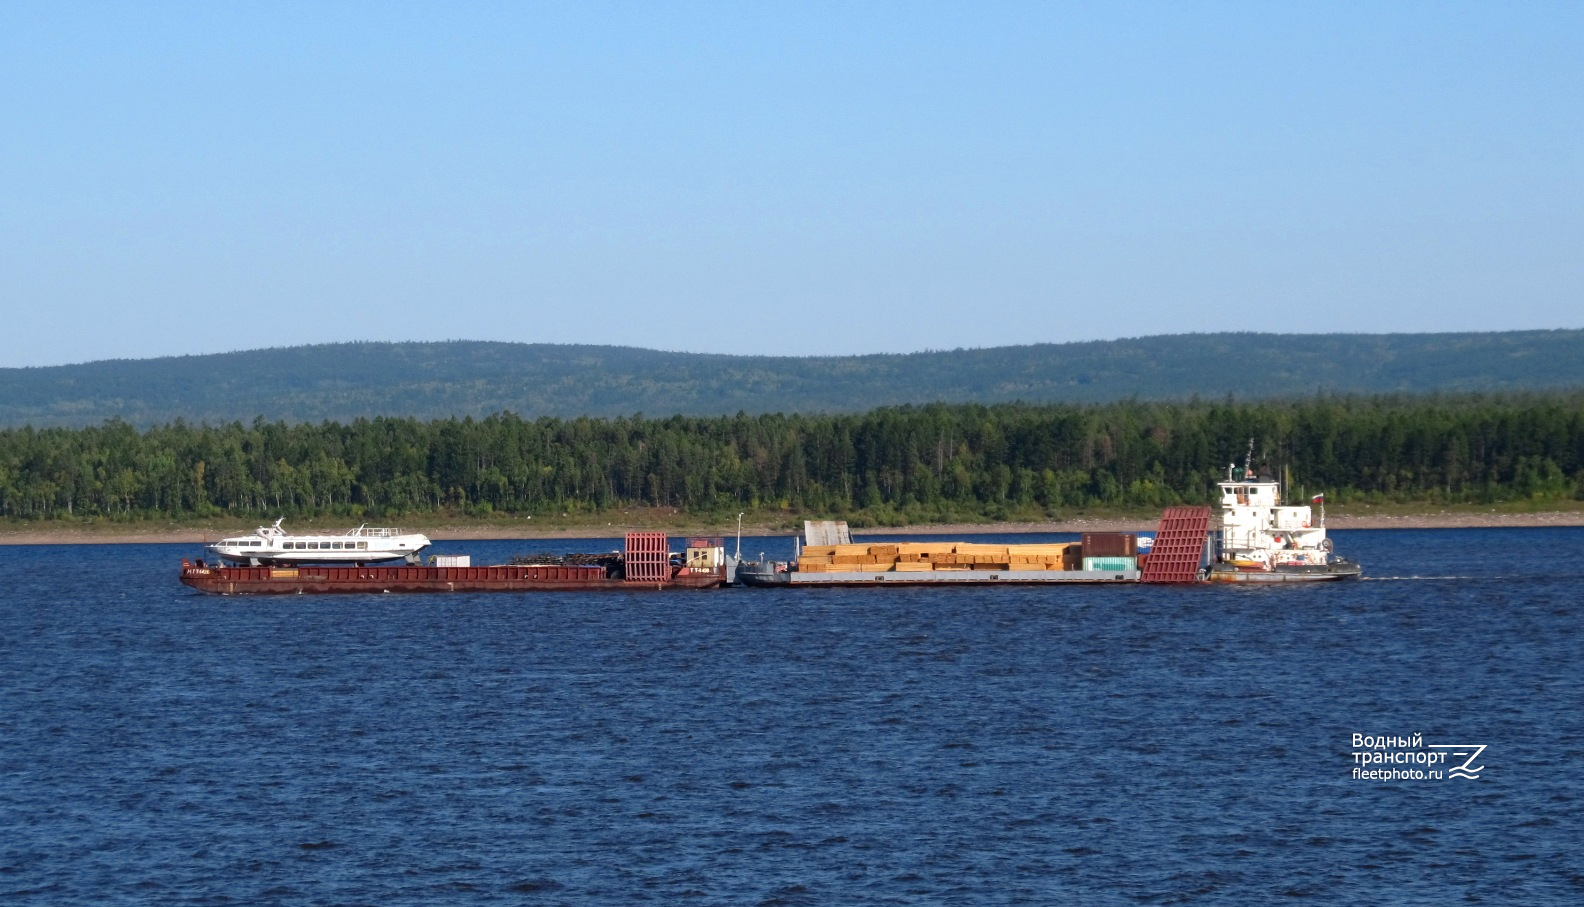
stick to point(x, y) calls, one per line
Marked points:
point(830, 558)
point(929, 557)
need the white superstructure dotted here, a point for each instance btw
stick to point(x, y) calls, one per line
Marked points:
point(1256, 530)
point(1261, 539)
point(363, 545)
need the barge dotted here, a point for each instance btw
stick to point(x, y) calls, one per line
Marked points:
point(828, 557)
point(645, 563)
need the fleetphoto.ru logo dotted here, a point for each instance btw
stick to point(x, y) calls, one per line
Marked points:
point(1410, 759)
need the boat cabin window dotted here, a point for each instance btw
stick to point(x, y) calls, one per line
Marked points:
point(362, 546)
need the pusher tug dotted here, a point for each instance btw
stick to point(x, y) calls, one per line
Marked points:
point(1262, 541)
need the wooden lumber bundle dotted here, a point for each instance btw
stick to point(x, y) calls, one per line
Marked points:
point(916, 557)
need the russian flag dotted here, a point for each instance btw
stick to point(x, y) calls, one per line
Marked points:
point(1317, 499)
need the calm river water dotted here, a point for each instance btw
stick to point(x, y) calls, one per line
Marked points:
point(1132, 745)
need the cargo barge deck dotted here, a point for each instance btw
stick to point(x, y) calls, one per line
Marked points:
point(756, 575)
point(829, 557)
point(645, 565)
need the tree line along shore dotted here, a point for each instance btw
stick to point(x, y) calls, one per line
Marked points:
point(101, 532)
point(895, 466)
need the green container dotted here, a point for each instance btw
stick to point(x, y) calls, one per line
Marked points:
point(1110, 564)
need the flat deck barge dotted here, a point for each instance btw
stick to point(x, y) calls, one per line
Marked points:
point(646, 564)
point(829, 557)
point(751, 577)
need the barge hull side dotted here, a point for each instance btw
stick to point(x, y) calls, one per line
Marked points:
point(942, 578)
point(379, 580)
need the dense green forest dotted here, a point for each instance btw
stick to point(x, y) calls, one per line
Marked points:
point(344, 382)
point(882, 467)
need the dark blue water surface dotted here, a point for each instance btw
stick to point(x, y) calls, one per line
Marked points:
point(1090, 745)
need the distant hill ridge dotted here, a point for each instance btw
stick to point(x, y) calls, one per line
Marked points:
point(346, 381)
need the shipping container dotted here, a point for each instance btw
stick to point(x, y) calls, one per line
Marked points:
point(1110, 544)
point(1110, 564)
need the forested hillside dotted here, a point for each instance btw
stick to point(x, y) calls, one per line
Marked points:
point(888, 465)
point(464, 378)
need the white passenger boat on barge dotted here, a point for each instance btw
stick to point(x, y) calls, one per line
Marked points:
point(363, 545)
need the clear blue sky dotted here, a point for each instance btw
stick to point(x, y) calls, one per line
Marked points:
point(791, 179)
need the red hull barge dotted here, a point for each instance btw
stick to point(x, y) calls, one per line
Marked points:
point(646, 566)
point(319, 580)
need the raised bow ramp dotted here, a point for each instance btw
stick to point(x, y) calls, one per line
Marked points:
point(1179, 546)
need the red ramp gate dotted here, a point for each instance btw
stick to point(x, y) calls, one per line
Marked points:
point(648, 559)
point(1179, 546)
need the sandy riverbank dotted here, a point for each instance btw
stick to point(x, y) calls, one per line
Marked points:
point(1427, 520)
